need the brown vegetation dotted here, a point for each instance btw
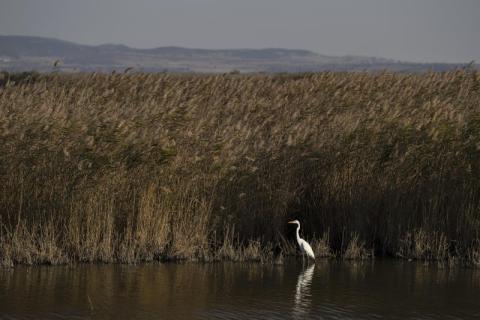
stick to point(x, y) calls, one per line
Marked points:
point(136, 167)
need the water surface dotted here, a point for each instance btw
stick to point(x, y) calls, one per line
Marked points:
point(327, 290)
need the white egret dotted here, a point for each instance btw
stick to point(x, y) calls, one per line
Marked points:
point(304, 246)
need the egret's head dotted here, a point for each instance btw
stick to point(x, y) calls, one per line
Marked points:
point(294, 222)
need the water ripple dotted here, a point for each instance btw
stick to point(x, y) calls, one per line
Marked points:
point(326, 290)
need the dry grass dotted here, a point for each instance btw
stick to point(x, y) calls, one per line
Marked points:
point(322, 247)
point(423, 245)
point(136, 167)
point(356, 249)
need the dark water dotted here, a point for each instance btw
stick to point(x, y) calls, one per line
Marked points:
point(328, 290)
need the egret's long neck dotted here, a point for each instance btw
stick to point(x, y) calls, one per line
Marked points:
point(298, 233)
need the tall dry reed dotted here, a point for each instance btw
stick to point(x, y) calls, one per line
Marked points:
point(136, 167)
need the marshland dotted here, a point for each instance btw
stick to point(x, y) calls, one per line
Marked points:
point(133, 167)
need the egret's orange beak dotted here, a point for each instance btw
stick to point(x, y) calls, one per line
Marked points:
point(291, 221)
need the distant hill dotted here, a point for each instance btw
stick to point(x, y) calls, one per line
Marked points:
point(21, 53)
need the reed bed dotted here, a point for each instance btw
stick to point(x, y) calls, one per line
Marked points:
point(140, 167)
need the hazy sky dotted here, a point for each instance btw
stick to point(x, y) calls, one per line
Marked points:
point(414, 30)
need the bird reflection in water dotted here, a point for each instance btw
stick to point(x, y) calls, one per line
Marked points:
point(302, 293)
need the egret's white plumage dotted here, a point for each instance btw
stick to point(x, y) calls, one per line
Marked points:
point(304, 246)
